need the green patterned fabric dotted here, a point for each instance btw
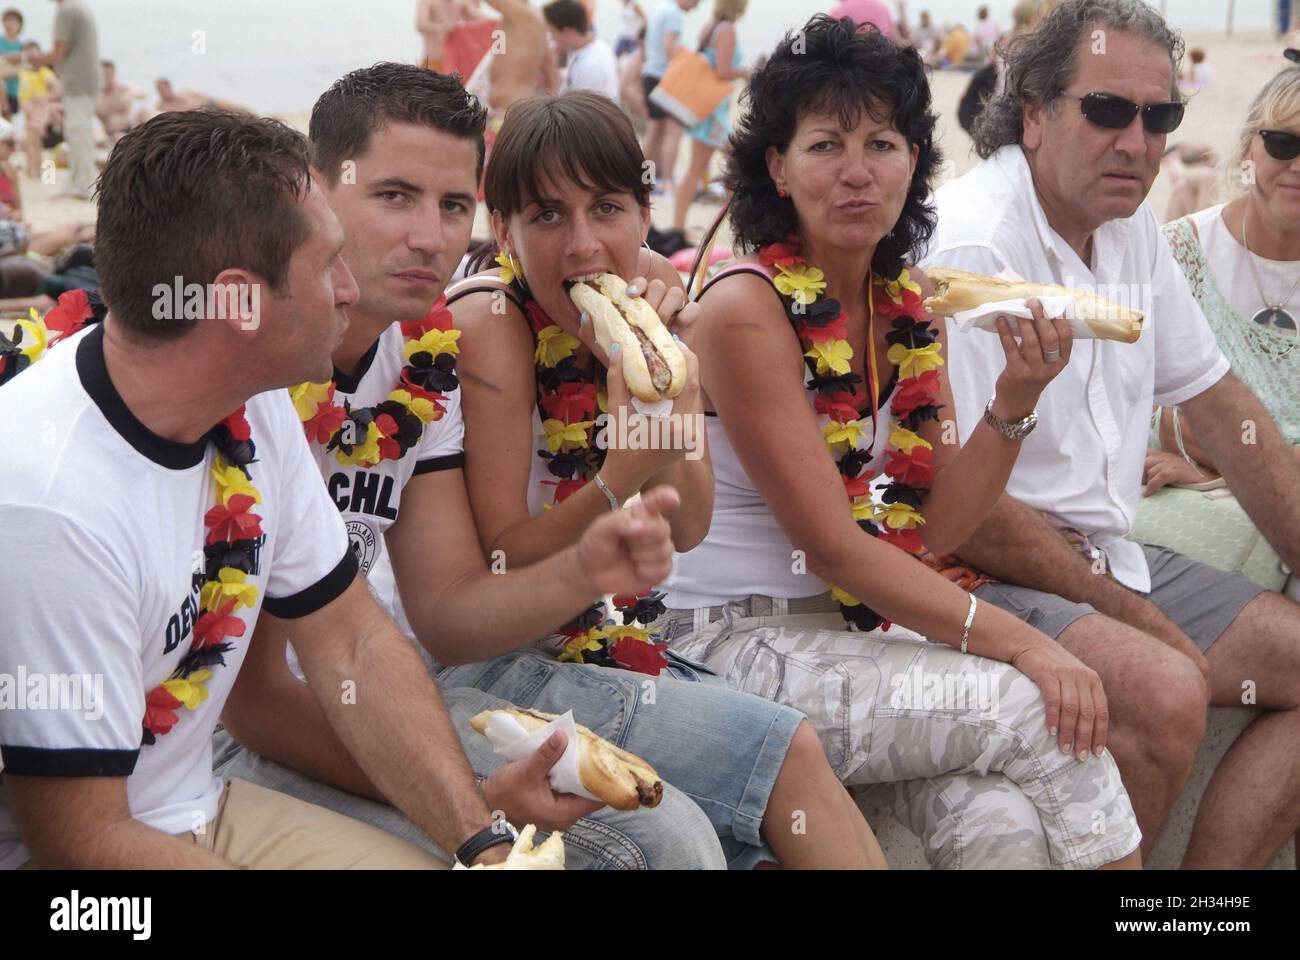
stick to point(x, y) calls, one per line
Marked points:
point(1211, 526)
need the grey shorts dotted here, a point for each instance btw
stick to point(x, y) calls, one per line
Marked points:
point(1203, 600)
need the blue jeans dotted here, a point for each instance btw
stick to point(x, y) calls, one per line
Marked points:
point(718, 751)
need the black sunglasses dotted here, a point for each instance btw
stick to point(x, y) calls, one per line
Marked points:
point(1115, 113)
point(1280, 144)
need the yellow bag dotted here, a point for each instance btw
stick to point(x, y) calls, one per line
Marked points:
point(690, 90)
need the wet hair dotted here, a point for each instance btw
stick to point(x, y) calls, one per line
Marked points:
point(567, 13)
point(580, 136)
point(191, 194)
point(1041, 63)
point(832, 67)
point(368, 99)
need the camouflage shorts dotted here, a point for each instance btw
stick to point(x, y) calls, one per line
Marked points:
point(954, 745)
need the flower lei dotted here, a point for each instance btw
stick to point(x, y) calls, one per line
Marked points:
point(389, 429)
point(32, 337)
point(822, 328)
point(569, 399)
point(232, 532)
point(232, 537)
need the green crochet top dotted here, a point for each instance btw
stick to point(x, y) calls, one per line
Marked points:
point(1265, 360)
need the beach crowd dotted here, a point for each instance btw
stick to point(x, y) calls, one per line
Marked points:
point(292, 537)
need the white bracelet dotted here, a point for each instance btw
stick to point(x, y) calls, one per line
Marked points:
point(609, 494)
point(970, 618)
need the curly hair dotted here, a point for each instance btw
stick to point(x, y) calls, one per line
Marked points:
point(1042, 62)
point(832, 67)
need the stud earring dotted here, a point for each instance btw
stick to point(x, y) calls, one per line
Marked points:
point(781, 193)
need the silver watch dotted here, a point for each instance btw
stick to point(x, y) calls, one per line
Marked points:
point(1012, 431)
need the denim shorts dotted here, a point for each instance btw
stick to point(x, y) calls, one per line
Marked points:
point(722, 748)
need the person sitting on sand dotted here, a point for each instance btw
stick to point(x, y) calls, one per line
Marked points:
point(170, 99)
point(118, 106)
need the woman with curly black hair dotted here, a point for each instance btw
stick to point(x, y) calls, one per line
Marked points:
point(822, 370)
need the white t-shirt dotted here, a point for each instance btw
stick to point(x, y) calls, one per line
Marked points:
point(593, 67)
point(1232, 273)
point(1084, 461)
point(102, 520)
point(369, 497)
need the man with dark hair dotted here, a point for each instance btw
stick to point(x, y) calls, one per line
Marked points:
point(155, 487)
point(407, 205)
point(591, 63)
point(1072, 148)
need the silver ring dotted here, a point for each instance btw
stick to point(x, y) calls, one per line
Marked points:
point(1051, 356)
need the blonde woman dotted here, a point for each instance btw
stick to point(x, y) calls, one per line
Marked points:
point(1242, 260)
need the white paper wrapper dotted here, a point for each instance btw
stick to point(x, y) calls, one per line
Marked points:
point(509, 738)
point(660, 408)
point(985, 317)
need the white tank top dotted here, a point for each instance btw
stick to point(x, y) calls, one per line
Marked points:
point(746, 552)
point(538, 492)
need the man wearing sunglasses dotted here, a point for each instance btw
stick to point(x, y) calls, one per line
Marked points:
point(1071, 150)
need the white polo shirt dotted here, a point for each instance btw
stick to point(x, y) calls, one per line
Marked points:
point(100, 524)
point(1084, 462)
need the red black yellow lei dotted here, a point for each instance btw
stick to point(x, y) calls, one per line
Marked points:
point(33, 336)
point(232, 532)
point(571, 401)
point(822, 328)
point(387, 430)
point(232, 537)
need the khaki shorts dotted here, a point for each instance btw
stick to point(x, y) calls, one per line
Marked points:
point(261, 829)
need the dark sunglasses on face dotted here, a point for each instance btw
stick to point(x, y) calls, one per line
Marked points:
point(1280, 144)
point(1115, 113)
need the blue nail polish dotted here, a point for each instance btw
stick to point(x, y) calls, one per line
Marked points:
point(633, 290)
point(677, 338)
point(614, 350)
point(582, 321)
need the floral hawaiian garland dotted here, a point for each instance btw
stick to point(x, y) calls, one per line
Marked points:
point(822, 328)
point(232, 538)
point(569, 398)
point(232, 532)
point(388, 430)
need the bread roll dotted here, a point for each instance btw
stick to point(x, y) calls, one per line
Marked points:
point(621, 779)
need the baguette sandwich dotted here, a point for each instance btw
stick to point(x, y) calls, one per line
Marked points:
point(653, 365)
point(621, 779)
point(957, 291)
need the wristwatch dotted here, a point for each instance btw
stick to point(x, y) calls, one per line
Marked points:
point(1012, 431)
